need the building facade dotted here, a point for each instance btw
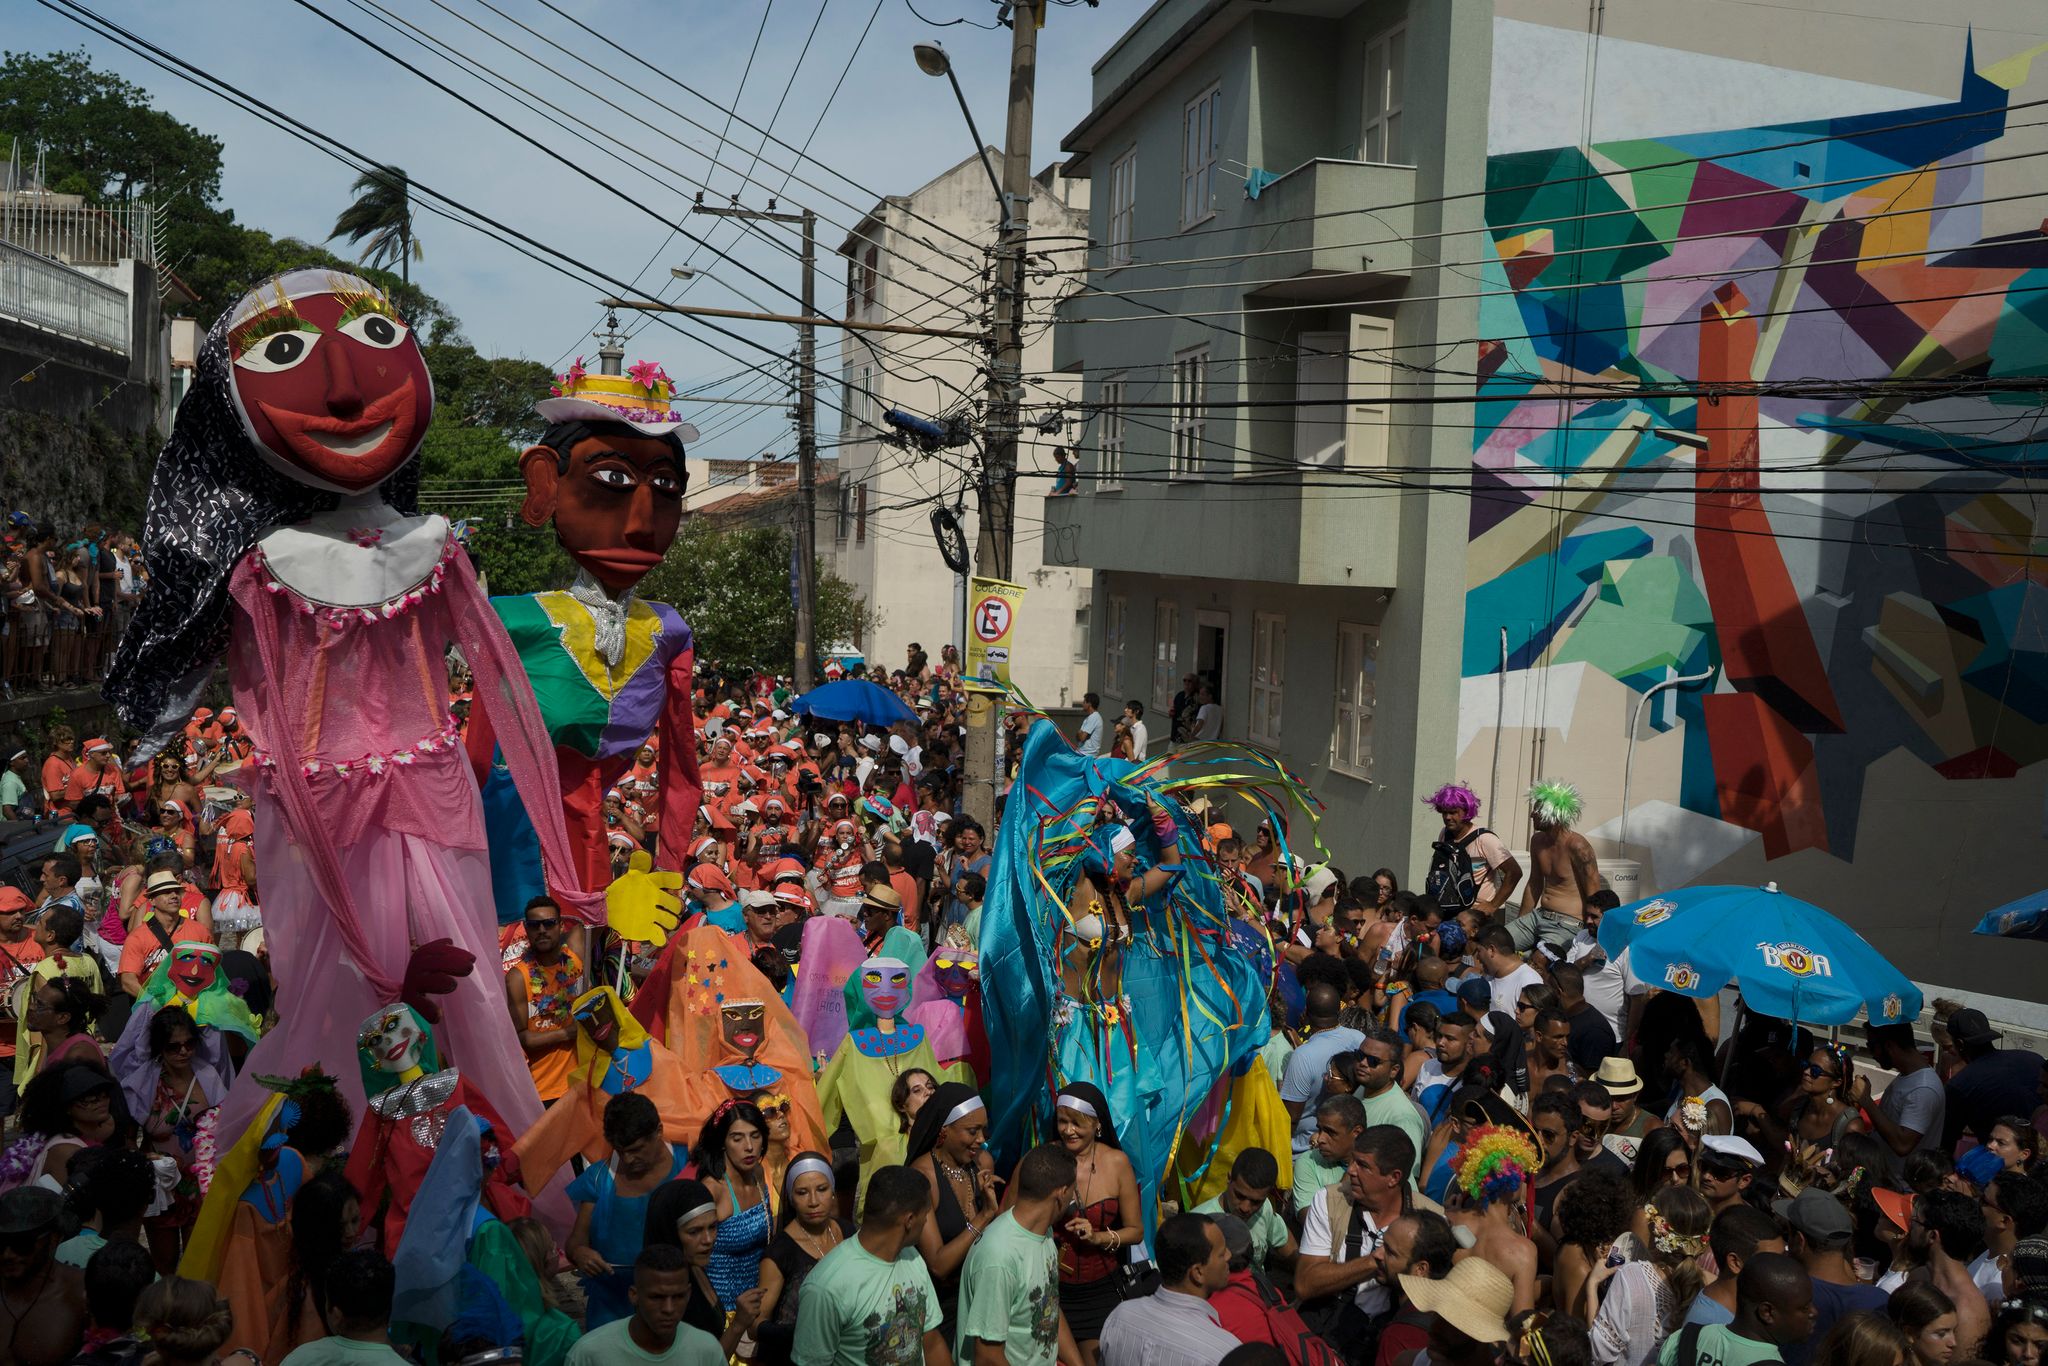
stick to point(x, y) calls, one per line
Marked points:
point(1640, 396)
point(915, 259)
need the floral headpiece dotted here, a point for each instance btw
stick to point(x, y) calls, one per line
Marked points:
point(1668, 1239)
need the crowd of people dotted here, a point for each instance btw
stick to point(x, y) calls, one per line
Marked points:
point(67, 597)
point(768, 1138)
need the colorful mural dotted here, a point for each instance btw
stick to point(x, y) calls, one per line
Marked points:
point(1860, 573)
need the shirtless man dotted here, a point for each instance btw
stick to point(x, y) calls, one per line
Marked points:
point(1497, 1237)
point(42, 1301)
point(1564, 871)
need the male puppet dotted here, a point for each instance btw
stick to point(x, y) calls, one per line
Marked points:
point(607, 667)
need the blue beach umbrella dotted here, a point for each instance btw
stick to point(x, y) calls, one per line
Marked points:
point(854, 699)
point(2026, 918)
point(1791, 959)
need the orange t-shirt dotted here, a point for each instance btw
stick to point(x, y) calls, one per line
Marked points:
point(83, 780)
point(56, 776)
point(143, 951)
point(906, 887)
point(15, 962)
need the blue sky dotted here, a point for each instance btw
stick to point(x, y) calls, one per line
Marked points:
point(888, 131)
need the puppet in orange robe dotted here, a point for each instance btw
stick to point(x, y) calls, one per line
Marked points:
point(613, 1056)
point(730, 1029)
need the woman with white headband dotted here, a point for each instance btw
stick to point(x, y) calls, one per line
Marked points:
point(682, 1213)
point(1096, 1238)
point(946, 1150)
point(811, 1227)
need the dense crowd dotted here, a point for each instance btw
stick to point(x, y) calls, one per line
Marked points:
point(67, 599)
point(1491, 1142)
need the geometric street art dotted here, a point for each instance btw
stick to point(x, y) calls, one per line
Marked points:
point(1862, 574)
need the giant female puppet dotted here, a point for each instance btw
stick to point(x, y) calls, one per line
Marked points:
point(1106, 954)
point(608, 667)
point(282, 531)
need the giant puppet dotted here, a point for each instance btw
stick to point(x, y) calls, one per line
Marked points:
point(608, 667)
point(283, 533)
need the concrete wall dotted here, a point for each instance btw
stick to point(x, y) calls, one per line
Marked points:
point(897, 566)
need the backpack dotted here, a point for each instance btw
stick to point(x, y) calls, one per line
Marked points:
point(1287, 1330)
point(1453, 881)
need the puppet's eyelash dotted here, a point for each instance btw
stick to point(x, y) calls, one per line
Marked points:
point(268, 325)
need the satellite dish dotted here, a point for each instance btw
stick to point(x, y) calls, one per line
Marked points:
point(952, 540)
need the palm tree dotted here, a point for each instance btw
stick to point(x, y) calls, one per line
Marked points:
point(382, 212)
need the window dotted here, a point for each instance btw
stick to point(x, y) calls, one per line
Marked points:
point(1269, 669)
point(867, 276)
point(863, 404)
point(1123, 207)
point(860, 514)
point(1081, 601)
point(1113, 647)
point(1319, 424)
point(1198, 157)
point(1165, 653)
point(1190, 394)
point(1109, 434)
point(1385, 63)
point(1358, 650)
point(843, 520)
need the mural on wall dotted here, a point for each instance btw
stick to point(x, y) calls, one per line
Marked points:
point(1859, 573)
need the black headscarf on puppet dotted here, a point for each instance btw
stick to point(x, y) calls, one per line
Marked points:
point(212, 496)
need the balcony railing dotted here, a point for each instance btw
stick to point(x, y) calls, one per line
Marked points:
point(46, 294)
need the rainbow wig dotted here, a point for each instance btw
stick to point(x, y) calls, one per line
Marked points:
point(1455, 797)
point(1498, 1164)
point(1556, 804)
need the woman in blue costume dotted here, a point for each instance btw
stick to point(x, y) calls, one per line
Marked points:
point(1110, 941)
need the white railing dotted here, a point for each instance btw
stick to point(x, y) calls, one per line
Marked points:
point(52, 296)
point(70, 230)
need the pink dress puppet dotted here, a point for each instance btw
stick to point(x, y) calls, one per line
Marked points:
point(947, 989)
point(282, 530)
point(832, 951)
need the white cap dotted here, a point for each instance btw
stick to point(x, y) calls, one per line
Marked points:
point(819, 737)
point(1318, 883)
point(898, 744)
point(746, 809)
point(753, 897)
point(871, 743)
point(779, 714)
point(1728, 1145)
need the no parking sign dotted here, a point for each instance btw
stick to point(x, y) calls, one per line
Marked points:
point(991, 625)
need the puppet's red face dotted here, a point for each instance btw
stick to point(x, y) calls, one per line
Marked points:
point(332, 385)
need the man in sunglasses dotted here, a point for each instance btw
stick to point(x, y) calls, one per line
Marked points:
point(1379, 1089)
point(1728, 1164)
point(539, 985)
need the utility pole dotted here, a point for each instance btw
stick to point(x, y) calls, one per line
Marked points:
point(995, 536)
point(804, 674)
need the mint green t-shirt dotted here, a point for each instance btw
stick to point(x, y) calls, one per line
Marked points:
point(1010, 1293)
point(342, 1352)
point(858, 1310)
point(1310, 1176)
point(1392, 1106)
point(1719, 1345)
point(614, 1342)
point(1268, 1231)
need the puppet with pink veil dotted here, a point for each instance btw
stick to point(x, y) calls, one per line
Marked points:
point(283, 534)
point(831, 950)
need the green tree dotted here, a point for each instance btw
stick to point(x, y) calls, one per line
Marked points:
point(99, 134)
point(382, 215)
point(732, 586)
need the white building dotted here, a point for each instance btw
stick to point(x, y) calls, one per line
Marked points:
point(907, 262)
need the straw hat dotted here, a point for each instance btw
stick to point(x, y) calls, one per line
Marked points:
point(1474, 1299)
point(1618, 1075)
point(645, 407)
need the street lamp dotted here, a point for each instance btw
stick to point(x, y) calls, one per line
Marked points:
point(681, 273)
point(933, 61)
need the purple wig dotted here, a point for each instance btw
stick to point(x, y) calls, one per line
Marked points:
point(1455, 797)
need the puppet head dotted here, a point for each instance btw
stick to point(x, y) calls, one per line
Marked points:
point(955, 970)
point(311, 387)
point(189, 977)
point(604, 1029)
point(885, 986)
point(394, 1045)
point(740, 1022)
point(609, 472)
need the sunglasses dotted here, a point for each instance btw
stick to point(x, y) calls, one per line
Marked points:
point(181, 1046)
point(552, 922)
point(1368, 1060)
point(1682, 1170)
point(1814, 1069)
point(1717, 1171)
point(23, 1244)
